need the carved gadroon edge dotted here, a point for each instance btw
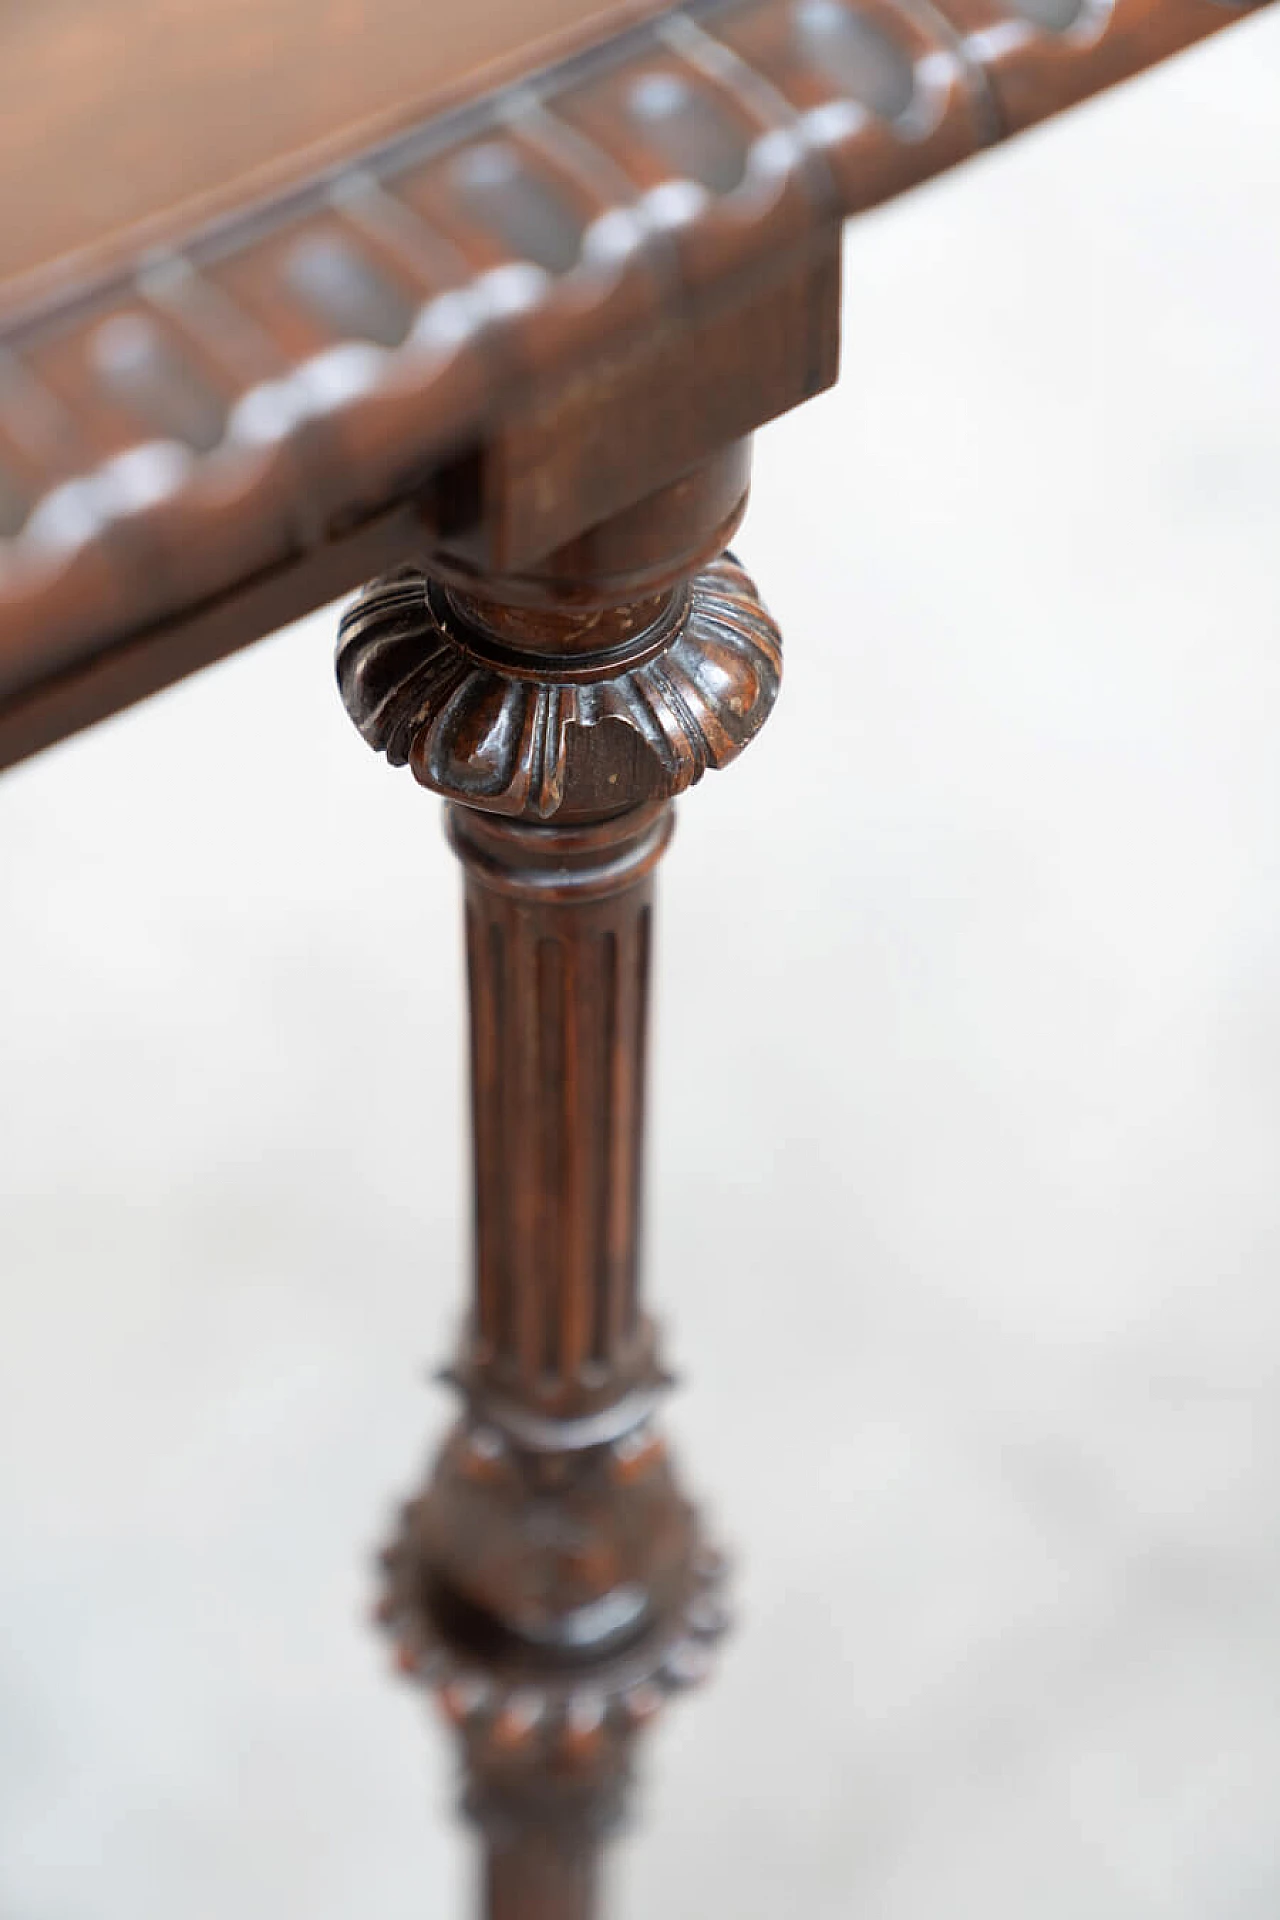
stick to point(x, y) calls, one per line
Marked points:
point(437, 275)
point(499, 733)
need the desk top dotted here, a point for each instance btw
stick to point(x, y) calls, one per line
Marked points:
point(268, 266)
point(128, 122)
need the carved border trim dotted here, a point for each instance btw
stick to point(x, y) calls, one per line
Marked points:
point(170, 436)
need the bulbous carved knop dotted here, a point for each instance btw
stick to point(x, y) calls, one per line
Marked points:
point(542, 747)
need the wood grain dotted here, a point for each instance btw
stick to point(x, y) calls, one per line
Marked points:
point(459, 311)
point(128, 121)
point(551, 1584)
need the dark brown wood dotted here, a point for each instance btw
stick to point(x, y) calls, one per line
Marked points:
point(558, 938)
point(149, 115)
point(535, 1876)
point(489, 313)
point(103, 682)
point(1044, 56)
point(440, 268)
point(672, 400)
point(655, 409)
point(551, 1584)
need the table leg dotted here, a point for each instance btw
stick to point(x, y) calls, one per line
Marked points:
point(551, 1584)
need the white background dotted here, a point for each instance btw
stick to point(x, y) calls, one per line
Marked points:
point(965, 1218)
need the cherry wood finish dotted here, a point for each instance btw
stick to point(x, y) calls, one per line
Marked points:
point(309, 294)
point(167, 112)
point(551, 1584)
point(274, 276)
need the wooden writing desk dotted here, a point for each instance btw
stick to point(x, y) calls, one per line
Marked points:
point(488, 301)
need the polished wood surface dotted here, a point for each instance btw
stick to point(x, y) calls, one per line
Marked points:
point(433, 321)
point(551, 1585)
point(129, 123)
point(498, 331)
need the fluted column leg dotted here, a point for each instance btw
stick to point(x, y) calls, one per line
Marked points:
point(551, 1583)
point(558, 940)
